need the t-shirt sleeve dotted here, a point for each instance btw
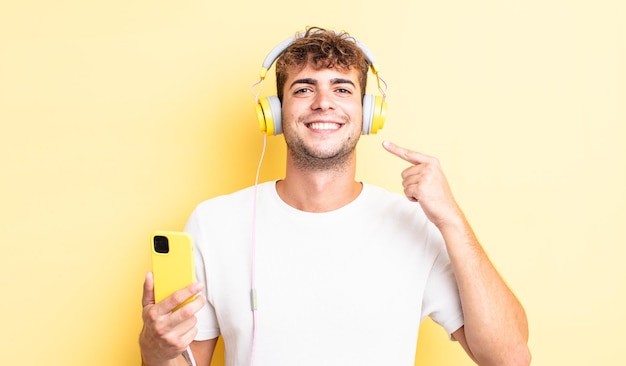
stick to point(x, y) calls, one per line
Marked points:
point(441, 294)
point(207, 324)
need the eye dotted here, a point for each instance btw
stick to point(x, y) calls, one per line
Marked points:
point(302, 90)
point(344, 91)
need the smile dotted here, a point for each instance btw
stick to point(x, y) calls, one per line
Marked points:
point(323, 125)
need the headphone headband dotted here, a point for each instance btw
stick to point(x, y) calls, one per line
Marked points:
point(278, 50)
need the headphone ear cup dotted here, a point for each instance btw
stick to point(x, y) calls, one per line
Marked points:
point(374, 114)
point(269, 114)
point(368, 113)
point(379, 114)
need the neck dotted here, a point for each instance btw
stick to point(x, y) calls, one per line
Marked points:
point(319, 190)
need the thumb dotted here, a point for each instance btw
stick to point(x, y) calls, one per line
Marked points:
point(405, 154)
point(148, 290)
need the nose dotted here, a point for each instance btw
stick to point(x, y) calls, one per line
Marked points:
point(323, 100)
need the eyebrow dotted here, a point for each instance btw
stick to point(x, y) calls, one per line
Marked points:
point(312, 81)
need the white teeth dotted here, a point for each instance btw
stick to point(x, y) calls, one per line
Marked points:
point(324, 126)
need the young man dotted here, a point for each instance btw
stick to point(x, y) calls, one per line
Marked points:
point(344, 271)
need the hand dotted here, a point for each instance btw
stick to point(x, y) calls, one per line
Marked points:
point(167, 333)
point(424, 182)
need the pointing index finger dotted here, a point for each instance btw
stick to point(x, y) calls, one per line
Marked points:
point(405, 154)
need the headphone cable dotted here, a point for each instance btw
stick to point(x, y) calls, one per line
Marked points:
point(253, 294)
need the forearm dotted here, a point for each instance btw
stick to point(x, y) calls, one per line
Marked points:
point(182, 360)
point(496, 327)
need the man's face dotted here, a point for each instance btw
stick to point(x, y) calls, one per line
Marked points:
point(322, 116)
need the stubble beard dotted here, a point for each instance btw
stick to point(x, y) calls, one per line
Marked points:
point(309, 159)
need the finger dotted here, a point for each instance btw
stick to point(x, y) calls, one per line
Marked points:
point(412, 174)
point(186, 339)
point(183, 322)
point(187, 317)
point(176, 339)
point(406, 154)
point(180, 341)
point(148, 290)
point(189, 310)
point(412, 189)
point(174, 300)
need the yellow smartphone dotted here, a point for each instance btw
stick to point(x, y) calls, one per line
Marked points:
point(172, 263)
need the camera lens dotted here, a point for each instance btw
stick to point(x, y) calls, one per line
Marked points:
point(161, 244)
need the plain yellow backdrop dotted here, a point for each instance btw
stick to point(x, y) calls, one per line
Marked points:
point(118, 117)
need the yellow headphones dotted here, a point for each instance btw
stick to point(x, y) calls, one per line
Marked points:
point(269, 109)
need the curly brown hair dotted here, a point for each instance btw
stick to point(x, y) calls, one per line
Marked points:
point(321, 48)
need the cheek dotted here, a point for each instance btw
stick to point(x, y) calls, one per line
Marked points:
point(355, 111)
point(289, 110)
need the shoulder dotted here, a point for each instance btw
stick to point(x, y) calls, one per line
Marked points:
point(388, 201)
point(235, 201)
point(376, 192)
point(396, 210)
point(225, 214)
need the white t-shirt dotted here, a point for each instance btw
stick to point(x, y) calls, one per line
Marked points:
point(346, 287)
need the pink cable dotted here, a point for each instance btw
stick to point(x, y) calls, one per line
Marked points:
point(190, 354)
point(253, 255)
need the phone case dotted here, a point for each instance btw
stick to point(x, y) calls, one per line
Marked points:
point(174, 270)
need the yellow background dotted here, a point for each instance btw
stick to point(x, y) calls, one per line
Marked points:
point(118, 117)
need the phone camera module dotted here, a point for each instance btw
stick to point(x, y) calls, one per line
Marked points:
point(161, 244)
